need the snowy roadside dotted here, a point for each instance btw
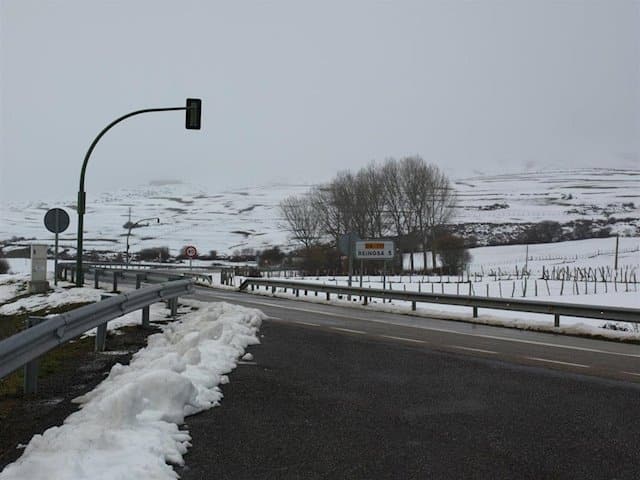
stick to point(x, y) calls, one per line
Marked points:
point(620, 331)
point(128, 427)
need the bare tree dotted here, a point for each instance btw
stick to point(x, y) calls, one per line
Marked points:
point(440, 205)
point(302, 219)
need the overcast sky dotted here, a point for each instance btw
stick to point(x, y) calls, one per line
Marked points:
point(295, 91)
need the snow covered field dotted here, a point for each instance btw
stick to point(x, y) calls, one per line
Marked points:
point(248, 217)
point(131, 421)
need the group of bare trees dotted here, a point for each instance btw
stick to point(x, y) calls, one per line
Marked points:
point(408, 200)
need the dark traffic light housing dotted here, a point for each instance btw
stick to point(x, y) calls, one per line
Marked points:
point(194, 106)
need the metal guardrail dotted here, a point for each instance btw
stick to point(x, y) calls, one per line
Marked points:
point(117, 271)
point(600, 312)
point(23, 348)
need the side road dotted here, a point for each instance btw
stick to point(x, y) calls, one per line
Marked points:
point(318, 403)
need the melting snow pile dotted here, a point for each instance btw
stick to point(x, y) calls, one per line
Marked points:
point(54, 299)
point(127, 428)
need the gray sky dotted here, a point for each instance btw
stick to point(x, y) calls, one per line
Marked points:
point(295, 91)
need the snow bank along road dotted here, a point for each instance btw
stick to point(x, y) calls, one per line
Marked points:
point(560, 352)
point(340, 393)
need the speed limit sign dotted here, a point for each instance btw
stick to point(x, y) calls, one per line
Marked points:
point(190, 251)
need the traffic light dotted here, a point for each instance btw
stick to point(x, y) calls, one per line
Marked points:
point(193, 113)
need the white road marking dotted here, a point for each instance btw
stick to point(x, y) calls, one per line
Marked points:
point(273, 318)
point(436, 329)
point(402, 338)
point(632, 373)
point(472, 349)
point(557, 361)
point(348, 330)
point(244, 362)
point(306, 323)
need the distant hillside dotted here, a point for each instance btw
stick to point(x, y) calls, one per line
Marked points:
point(489, 207)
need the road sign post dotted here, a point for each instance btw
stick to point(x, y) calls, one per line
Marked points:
point(376, 250)
point(191, 252)
point(57, 221)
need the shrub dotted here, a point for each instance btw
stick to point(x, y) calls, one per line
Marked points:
point(4, 266)
point(154, 253)
point(453, 254)
point(271, 256)
point(544, 232)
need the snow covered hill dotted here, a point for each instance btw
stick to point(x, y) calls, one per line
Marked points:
point(230, 220)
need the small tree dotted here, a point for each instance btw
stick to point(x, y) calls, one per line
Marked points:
point(303, 220)
point(271, 256)
point(454, 256)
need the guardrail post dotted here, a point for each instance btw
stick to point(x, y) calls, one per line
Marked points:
point(101, 332)
point(115, 282)
point(297, 292)
point(327, 296)
point(366, 300)
point(145, 317)
point(273, 290)
point(413, 306)
point(138, 280)
point(30, 385)
point(174, 306)
point(556, 320)
point(475, 312)
point(96, 279)
point(252, 287)
point(73, 276)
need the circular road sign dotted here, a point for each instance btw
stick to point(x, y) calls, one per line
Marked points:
point(56, 220)
point(190, 251)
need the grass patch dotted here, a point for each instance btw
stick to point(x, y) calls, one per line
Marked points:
point(51, 362)
point(12, 324)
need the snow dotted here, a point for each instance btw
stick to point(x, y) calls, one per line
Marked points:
point(59, 297)
point(226, 221)
point(11, 286)
point(506, 318)
point(128, 427)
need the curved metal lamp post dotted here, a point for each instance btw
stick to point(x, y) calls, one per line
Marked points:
point(193, 109)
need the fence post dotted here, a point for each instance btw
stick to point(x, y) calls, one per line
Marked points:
point(30, 385)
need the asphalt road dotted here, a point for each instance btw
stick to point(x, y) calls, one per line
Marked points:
point(587, 356)
point(340, 393)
